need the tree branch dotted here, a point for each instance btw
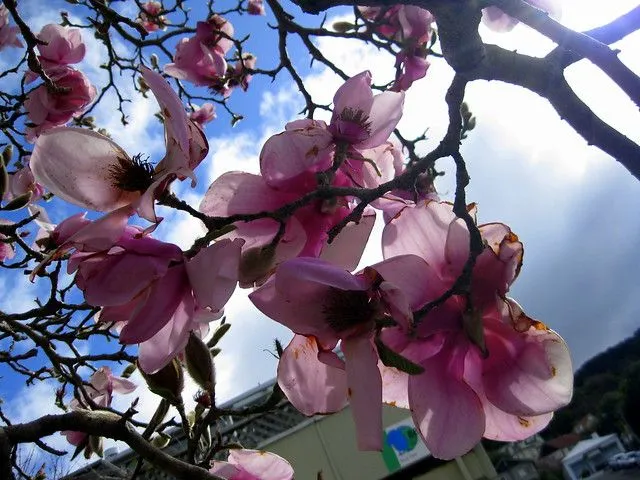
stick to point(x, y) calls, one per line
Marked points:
point(105, 424)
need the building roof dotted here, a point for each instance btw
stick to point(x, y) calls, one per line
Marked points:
point(585, 445)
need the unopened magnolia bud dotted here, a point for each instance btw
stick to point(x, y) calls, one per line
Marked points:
point(94, 446)
point(160, 440)
point(144, 86)
point(127, 372)
point(154, 61)
point(168, 382)
point(218, 334)
point(4, 180)
point(474, 329)
point(199, 362)
point(7, 153)
point(255, 265)
point(18, 202)
point(342, 27)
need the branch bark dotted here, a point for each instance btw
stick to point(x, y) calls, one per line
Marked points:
point(105, 424)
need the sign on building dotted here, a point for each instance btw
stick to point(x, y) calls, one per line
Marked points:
point(402, 445)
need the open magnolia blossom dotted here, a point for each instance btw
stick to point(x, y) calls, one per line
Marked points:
point(411, 27)
point(64, 46)
point(330, 306)
point(102, 385)
point(92, 171)
point(150, 16)
point(201, 59)
point(148, 288)
point(253, 465)
point(8, 33)
point(473, 366)
point(489, 370)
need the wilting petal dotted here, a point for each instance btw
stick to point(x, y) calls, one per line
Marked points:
point(213, 273)
point(446, 410)
point(528, 373)
point(311, 386)
point(77, 165)
point(365, 390)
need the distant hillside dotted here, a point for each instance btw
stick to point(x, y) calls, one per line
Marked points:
point(599, 385)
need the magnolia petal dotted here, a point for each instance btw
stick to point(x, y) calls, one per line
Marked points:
point(175, 116)
point(162, 300)
point(446, 410)
point(413, 276)
point(296, 295)
point(347, 248)
point(385, 113)
point(311, 386)
point(395, 386)
point(239, 193)
point(213, 273)
point(262, 465)
point(77, 165)
point(421, 230)
point(365, 390)
point(291, 153)
point(122, 385)
point(157, 351)
point(354, 93)
point(529, 373)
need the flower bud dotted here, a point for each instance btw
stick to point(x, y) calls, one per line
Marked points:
point(154, 61)
point(199, 362)
point(168, 382)
point(7, 153)
point(342, 27)
point(256, 265)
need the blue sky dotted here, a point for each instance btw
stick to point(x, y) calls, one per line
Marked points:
point(571, 205)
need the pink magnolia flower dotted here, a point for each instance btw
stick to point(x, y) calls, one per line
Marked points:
point(92, 171)
point(361, 119)
point(47, 109)
point(21, 182)
point(8, 33)
point(6, 250)
point(150, 17)
point(410, 26)
point(205, 114)
point(64, 45)
point(148, 287)
point(200, 59)
point(237, 75)
point(497, 20)
point(253, 465)
point(255, 7)
point(305, 232)
point(489, 370)
point(328, 305)
point(100, 390)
